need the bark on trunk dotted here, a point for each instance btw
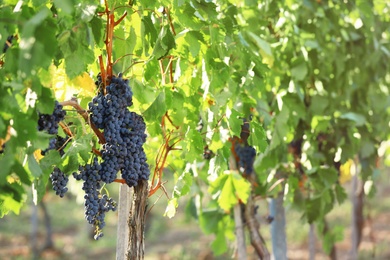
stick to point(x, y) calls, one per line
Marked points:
point(136, 222)
point(257, 241)
point(357, 196)
point(49, 230)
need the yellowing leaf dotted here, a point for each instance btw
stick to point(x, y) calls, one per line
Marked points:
point(170, 211)
point(228, 198)
point(242, 187)
point(64, 88)
point(345, 172)
point(85, 84)
point(38, 156)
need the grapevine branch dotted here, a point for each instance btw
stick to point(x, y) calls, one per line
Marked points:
point(73, 103)
point(162, 155)
point(111, 23)
point(66, 129)
point(170, 57)
point(238, 220)
point(252, 224)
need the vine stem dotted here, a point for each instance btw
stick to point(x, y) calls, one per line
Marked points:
point(73, 103)
point(238, 220)
point(162, 155)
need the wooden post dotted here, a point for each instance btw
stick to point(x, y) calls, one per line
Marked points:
point(125, 198)
point(312, 242)
point(240, 233)
point(278, 227)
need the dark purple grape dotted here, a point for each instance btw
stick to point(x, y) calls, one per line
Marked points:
point(59, 181)
point(49, 123)
point(96, 205)
point(246, 155)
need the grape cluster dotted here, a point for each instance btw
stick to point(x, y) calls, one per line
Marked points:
point(124, 132)
point(96, 205)
point(246, 155)
point(49, 123)
point(59, 180)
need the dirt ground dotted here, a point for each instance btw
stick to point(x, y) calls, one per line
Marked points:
point(189, 243)
point(178, 238)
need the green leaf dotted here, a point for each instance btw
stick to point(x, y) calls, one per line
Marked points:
point(33, 166)
point(6, 162)
point(81, 146)
point(150, 30)
point(335, 234)
point(313, 209)
point(264, 46)
point(70, 164)
point(97, 29)
point(355, 117)
point(218, 183)
point(209, 219)
point(367, 149)
point(11, 198)
point(299, 71)
point(165, 42)
point(341, 195)
point(318, 105)
point(157, 109)
point(206, 10)
point(194, 40)
point(24, 177)
point(227, 199)
point(187, 17)
point(219, 245)
point(66, 6)
point(281, 128)
point(234, 121)
point(77, 62)
point(328, 176)
point(49, 160)
point(242, 187)
point(233, 187)
point(257, 137)
point(30, 47)
point(39, 188)
point(195, 144)
point(183, 185)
